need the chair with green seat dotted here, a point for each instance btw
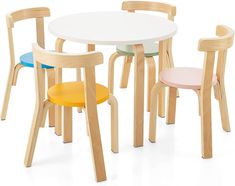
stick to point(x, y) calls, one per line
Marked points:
point(26, 60)
point(151, 49)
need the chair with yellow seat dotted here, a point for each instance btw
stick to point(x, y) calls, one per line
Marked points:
point(85, 94)
point(201, 81)
point(151, 49)
point(26, 60)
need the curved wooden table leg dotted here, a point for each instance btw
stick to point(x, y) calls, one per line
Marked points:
point(139, 95)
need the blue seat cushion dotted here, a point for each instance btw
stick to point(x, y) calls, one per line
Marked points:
point(150, 49)
point(27, 61)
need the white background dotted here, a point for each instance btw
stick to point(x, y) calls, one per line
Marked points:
point(174, 160)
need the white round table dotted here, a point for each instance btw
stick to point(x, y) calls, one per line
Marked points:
point(114, 28)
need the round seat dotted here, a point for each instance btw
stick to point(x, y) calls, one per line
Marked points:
point(183, 77)
point(27, 61)
point(150, 49)
point(71, 94)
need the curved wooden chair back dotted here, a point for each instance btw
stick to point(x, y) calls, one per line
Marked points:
point(210, 47)
point(132, 6)
point(62, 60)
point(38, 13)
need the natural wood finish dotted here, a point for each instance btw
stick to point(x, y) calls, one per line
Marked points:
point(162, 59)
point(26, 14)
point(42, 56)
point(153, 111)
point(58, 79)
point(126, 71)
point(170, 119)
point(150, 6)
point(38, 13)
point(38, 113)
point(205, 104)
point(219, 44)
point(92, 118)
point(139, 95)
point(112, 60)
point(16, 72)
point(68, 131)
point(78, 74)
point(151, 78)
point(50, 83)
point(114, 123)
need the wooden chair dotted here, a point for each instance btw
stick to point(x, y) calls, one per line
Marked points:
point(201, 81)
point(85, 94)
point(151, 49)
point(26, 60)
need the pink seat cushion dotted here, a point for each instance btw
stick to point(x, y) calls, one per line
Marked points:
point(183, 77)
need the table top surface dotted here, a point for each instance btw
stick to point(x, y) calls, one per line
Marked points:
point(112, 28)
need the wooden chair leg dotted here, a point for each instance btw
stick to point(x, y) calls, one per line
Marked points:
point(153, 111)
point(171, 105)
point(112, 60)
point(114, 124)
point(96, 144)
point(7, 94)
point(151, 78)
point(68, 132)
point(51, 82)
point(126, 71)
point(206, 124)
point(16, 72)
point(58, 109)
point(39, 114)
point(78, 72)
point(224, 108)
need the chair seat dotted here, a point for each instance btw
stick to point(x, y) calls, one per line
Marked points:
point(150, 49)
point(27, 61)
point(71, 94)
point(186, 78)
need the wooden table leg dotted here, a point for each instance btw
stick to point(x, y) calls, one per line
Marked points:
point(139, 95)
point(162, 61)
point(58, 79)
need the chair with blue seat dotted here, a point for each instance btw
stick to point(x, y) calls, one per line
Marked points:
point(151, 49)
point(26, 60)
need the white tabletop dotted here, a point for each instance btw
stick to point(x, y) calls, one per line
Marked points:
point(112, 28)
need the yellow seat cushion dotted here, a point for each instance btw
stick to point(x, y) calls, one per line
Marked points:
point(71, 94)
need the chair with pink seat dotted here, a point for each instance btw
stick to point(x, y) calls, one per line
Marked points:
point(201, 81)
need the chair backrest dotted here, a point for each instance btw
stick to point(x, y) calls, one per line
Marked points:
point(132, 6)
point(220, 44)
point(38, 13)
point(88, 61)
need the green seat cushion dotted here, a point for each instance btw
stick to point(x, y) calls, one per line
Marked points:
point(150, 49)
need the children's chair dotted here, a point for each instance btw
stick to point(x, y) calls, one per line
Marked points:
point(85, 94)
point(151, 49)
point(201, 81)
point(26, 60)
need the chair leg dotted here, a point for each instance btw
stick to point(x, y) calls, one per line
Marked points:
point(68, 132)
point(151, 78)
point(171, 105)
point(153, 111)
point(7, 93)
point(224, 108)
point(78, 72)
point(16, 72)
point(51, 82)
point(126, 71)
point(114, 124)
point(39, 114)
point(112, 60)
point(58, 109)
point(96, 144)
point(206, 132)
